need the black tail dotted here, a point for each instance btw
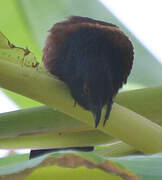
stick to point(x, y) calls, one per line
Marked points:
point(39, 152)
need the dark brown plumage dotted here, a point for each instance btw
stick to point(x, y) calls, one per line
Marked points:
point(93, 58)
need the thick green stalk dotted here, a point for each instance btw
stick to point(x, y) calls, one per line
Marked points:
point(146, 102)
point(20, 73)
point(56, 139)
point(42, 127)
point(37, 120)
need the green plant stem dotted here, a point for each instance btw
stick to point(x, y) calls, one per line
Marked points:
point(37, 120)
point(55, 139)
point(146, 102)
point(39, 85)
point(19, 72)
point(17, 129)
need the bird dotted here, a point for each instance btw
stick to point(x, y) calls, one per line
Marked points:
point(93, 58)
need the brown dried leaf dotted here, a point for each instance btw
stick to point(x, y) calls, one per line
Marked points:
point(74, 161)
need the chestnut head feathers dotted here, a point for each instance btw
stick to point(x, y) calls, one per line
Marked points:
point(93, 58)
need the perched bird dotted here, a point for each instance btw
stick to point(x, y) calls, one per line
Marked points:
point(93, 58)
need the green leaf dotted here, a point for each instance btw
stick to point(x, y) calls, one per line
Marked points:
point(42, 127)
point(12, 159)
point(123, 123)
point(13, 26)
point(69, 165)
point(146, 102)
point(147, 167)
point(79, 173)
